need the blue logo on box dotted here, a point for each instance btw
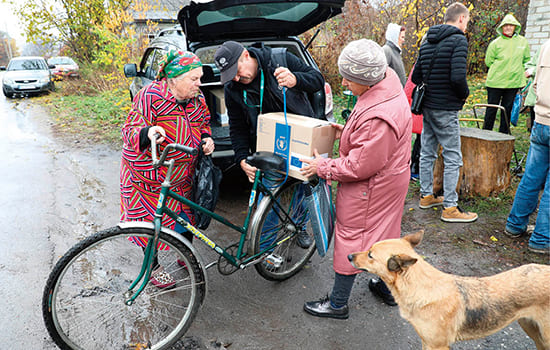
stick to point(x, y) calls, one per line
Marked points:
point(295, 162)
point(282, 140)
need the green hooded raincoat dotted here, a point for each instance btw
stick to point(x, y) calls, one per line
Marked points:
point(505, 58)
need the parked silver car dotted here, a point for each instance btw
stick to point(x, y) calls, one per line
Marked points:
point(26, 75)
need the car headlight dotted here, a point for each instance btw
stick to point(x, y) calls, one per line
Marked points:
point(44, 80)
point(8, 81)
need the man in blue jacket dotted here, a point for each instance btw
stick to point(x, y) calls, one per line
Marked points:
point(441, 66)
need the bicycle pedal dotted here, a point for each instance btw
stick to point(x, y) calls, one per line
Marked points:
point(273, 261)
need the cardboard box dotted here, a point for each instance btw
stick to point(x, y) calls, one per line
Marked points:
point(306, 134)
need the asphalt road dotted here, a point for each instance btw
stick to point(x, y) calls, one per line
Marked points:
point(55, 193)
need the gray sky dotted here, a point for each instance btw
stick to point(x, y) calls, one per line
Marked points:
point(10, 23)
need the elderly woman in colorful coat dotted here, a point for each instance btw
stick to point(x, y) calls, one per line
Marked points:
point(174, 108)
point(372, 170)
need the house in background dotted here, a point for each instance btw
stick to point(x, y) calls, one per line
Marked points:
point(537, 30)
point(151, 16)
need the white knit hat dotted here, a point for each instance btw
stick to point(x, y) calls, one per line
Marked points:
point(363, 61)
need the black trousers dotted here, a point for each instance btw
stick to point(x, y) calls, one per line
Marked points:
point(505, 98)
point(415, 156)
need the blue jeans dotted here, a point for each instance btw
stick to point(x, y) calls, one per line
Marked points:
point(182, 230)
point(440, 127)
point(535, 179)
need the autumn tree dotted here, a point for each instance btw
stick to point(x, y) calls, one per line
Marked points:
point(97, 33)
point(8, 48)
point(369, 19)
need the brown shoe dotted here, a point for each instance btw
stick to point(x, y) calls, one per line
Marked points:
point(430, 201)
point(455, 214)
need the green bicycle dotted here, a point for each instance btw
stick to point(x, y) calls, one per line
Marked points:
point(98, 295)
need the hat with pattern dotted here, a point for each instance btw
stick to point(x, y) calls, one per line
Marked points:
point(177, 62)
point(363, 61)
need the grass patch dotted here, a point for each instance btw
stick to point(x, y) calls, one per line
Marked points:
point(492, 206)
point(97, 116)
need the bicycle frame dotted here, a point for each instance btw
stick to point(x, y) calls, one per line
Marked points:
point(235, 260)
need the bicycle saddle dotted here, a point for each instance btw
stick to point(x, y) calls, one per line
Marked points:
point(267, 161)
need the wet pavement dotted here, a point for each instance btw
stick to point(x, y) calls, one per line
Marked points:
point(55, 193)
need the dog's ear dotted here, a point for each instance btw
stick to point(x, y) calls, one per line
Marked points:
point(400, 262)
point(414, 239)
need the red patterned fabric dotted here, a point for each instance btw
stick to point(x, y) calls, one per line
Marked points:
point(139, 182)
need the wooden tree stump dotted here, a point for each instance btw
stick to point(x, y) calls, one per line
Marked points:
point(486, 157)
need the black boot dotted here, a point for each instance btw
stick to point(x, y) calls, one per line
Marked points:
point(379, 288)
point(322, 308)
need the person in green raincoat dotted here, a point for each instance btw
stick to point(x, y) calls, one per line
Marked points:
point(505, 58)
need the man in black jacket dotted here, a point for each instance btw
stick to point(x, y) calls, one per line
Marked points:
point(253, 80)
point(441, 66)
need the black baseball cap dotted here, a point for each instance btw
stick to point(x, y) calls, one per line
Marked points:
point(226, 58)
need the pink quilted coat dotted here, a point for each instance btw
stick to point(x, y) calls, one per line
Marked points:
point(372, 171)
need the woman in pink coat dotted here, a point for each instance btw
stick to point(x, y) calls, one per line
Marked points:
point(372, 169)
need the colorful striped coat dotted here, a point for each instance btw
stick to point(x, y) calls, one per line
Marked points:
point(139, 181)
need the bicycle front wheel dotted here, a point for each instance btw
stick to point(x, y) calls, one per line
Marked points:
point(273, 225)
point(84, 307)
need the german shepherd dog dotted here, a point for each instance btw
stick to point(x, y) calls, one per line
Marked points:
point(445, 308)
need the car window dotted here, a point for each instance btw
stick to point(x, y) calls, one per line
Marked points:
point(290, 12)
point(159, 55)
point(151, 61)
point(206, 54)
point(147, 61)
point(27, 65)
point(61, 60)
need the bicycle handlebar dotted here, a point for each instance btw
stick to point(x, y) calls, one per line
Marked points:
point(176, 146)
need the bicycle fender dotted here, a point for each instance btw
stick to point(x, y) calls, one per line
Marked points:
point(179, 237)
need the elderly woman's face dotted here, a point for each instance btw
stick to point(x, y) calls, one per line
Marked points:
point(187, 85)
point(355, 88)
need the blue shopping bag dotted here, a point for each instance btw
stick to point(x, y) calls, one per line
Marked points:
point(514, 115)
point(321, 213)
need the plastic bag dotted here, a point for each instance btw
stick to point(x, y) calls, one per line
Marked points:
point(206, 188)
point(321, 213)
point(514, 115)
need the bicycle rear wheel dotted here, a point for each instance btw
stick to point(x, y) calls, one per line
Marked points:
point(83, 304)
point(271, 225)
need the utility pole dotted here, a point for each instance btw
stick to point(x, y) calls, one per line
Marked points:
point(10, 54)
point(6, 47)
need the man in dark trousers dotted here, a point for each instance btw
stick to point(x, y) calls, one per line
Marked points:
point(253, 81)
point(441, 66)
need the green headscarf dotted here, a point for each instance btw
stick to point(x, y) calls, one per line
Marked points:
point(176, 63)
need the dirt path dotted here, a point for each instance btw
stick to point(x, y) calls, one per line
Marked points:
point(476, 249)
